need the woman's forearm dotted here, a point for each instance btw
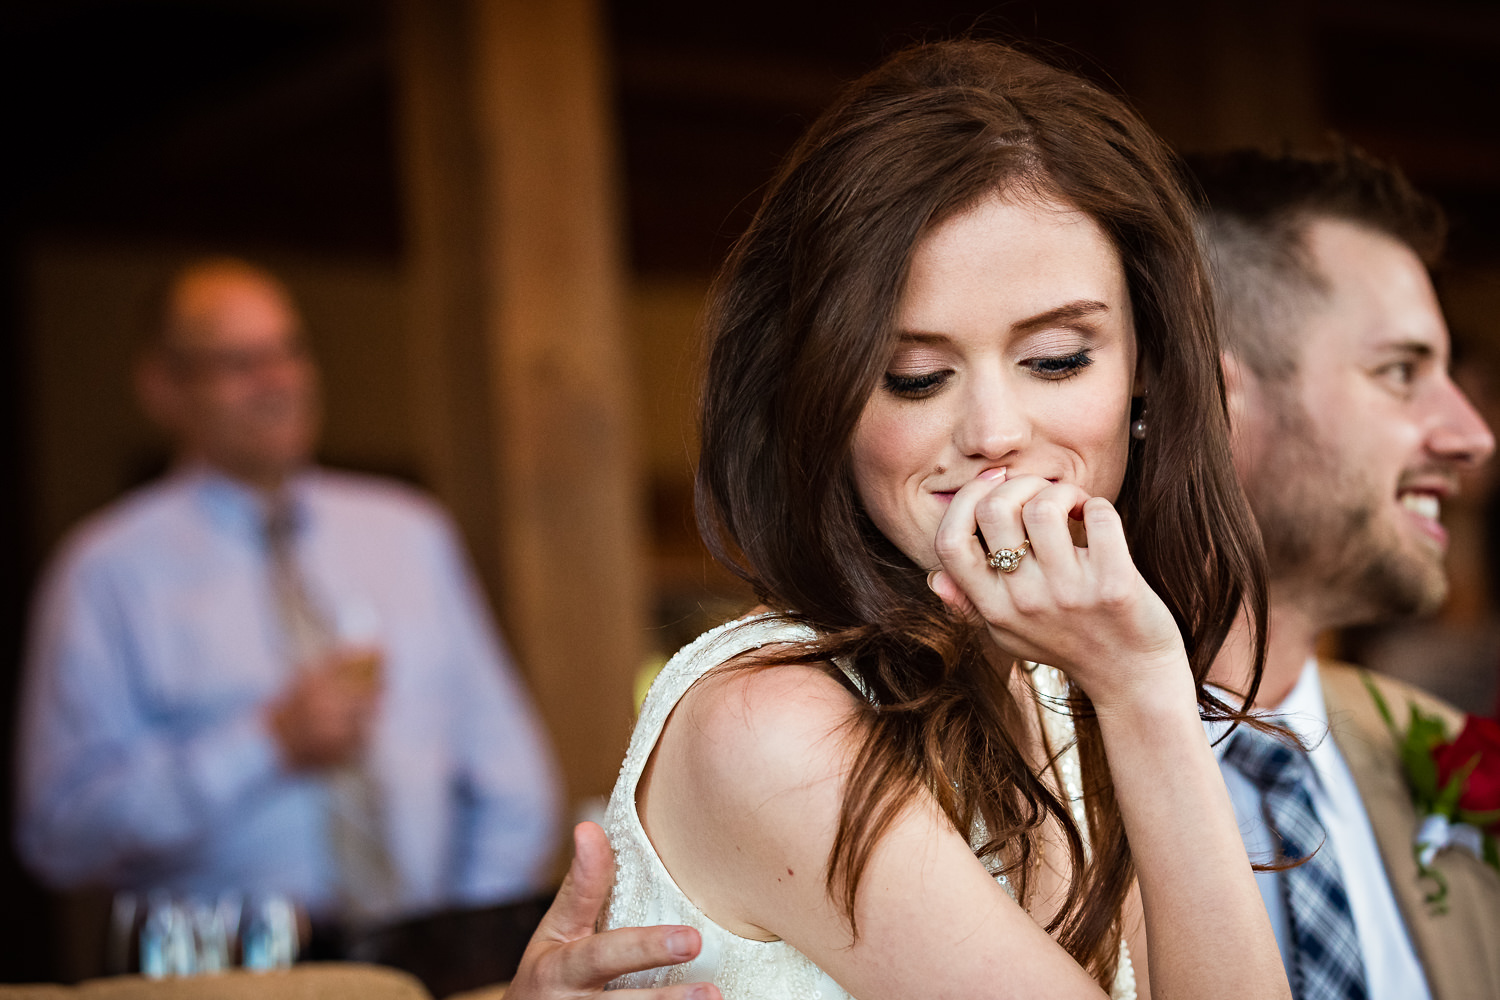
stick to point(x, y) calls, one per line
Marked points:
point(1197, 889)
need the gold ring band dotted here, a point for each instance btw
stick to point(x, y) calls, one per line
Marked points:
point(1006, 560)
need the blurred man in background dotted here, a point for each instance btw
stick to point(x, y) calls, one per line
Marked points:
point(1349, 435)
point(261, 676)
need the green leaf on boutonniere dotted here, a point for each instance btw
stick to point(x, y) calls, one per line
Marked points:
point(1423, 734)
point(1447, 800)
point(1414, 746)
point(1437, 899)
point(1380, 703)
point(1381, 706)
point(1469, 761)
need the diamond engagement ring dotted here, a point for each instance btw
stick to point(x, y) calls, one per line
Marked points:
point(1006, 560)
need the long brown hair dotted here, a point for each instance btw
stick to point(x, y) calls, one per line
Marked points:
point(800, 331)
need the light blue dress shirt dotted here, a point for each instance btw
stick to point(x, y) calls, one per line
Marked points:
point(156, 645)
point(1392, 971)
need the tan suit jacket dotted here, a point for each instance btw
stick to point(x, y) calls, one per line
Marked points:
point(1460, 949)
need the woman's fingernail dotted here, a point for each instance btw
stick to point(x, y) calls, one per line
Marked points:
point(682, 945)
point(992, 473)
point(930, 578)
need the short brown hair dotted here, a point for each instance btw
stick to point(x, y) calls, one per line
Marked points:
point(1253, 222)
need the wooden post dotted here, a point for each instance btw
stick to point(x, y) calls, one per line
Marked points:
point(519, 354)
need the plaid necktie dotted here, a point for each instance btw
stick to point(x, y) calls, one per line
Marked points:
point(1328, 964)
point(369, 883)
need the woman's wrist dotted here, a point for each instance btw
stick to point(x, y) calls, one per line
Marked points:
point(1159, 686)
point(1161, 696)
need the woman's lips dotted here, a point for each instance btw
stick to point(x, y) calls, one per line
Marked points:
point(946, 496)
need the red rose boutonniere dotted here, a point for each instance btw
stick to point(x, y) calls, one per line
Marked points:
point(1455, 785)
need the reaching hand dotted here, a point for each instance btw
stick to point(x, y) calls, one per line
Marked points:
point(567, 960)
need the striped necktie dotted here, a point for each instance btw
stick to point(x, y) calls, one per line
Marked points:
point(369, 883)
point(1328, 964)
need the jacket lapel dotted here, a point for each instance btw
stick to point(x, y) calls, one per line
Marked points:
point(1460, 949)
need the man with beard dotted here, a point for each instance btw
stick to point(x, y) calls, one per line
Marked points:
point(1348, 437)
point(259, 676)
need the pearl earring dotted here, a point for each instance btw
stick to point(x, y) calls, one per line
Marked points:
point(1138, 425)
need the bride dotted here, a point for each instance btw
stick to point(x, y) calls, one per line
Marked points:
point(961, 416)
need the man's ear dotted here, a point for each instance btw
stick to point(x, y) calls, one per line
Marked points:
point(1235, 388)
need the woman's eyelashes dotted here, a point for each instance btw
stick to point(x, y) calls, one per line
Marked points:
point(1059, 367)
point(1052, 368)
point(914, 386)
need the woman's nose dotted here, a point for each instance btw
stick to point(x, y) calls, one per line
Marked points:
point(989, 425)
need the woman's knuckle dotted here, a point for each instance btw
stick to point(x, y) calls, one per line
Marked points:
point(1027, 604)
point(948, 545)
point(995, 508)
point(1116, 593)
point(1100, 510)
point(1041, 509)
point(1069, 599)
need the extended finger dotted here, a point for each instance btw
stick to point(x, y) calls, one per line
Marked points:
point(690, 991)
point(591, 962)
point(585, 888)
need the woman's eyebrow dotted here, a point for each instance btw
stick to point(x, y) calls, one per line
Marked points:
point(913, 337)
point(1070, 312)
point(1067, 313)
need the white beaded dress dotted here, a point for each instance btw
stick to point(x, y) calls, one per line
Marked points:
point(645, 894)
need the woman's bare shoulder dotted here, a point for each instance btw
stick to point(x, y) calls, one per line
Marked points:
point(765, 725)
point(744, 810)
point(745, 786)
